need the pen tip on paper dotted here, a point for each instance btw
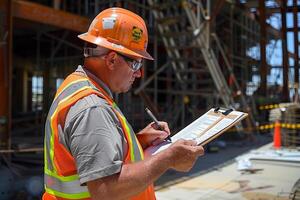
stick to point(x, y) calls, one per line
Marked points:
point(168, 139)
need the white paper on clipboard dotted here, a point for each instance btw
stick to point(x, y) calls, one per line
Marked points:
point(204, 129)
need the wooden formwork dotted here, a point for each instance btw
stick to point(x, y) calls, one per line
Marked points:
point(290, 130)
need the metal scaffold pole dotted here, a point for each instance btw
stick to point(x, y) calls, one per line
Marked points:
point(263, 35)
point(285, 91)
point(296, 46)
point(5, 73)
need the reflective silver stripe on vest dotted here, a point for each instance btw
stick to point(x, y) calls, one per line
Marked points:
point(69, 187)
point(47, 145)
point(65, 93)
point(136, 149)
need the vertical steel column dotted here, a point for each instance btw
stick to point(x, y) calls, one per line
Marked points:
point(56, 4)
point(9, 70)
point(25, 88)
point(5, 77)
point(208, 25)
point(96, 10)
point(285, 91)
point(231, 44)
point(155, 47)
point(47, 89)
point(263, 60)
point(296, 46)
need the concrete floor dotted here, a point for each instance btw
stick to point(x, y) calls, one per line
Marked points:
point(213, 160)
point(274, 180)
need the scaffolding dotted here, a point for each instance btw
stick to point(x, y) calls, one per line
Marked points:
point(206, 54)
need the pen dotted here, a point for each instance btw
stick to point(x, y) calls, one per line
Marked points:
point(156, 123)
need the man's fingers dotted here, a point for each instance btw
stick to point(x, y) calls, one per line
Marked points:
point(160, 138)
point(165, 126)
point(158, 134)
point(192, 145)
point(198, 150)
point(157, 141)
point(162, 135)
point(190, 142)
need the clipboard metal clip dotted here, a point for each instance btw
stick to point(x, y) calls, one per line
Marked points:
point(226, 112)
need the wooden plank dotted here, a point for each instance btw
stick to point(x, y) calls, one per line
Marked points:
point(277, 10)
point(28, 150)
point(46, 15)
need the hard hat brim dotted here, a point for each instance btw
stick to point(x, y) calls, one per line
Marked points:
point(100, 41)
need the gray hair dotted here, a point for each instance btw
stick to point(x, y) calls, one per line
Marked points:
point(92, 52)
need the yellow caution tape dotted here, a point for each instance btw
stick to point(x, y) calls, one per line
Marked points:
point(270, 126)
point(269, 107)
point(282, 125)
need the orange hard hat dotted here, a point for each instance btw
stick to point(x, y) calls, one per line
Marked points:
point(120, 30)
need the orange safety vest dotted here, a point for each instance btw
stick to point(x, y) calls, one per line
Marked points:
point(61, 178)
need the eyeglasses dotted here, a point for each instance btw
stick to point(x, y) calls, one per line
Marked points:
point(133, 64)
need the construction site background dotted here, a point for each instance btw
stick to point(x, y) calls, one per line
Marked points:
point(234, 54)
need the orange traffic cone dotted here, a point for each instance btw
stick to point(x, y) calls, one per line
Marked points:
point(277, 135)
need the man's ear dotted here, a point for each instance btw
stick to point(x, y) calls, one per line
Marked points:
point(110, 60)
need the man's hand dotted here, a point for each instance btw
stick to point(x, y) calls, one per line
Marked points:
point(150, 135)
point(135, 177)
point(183, 154)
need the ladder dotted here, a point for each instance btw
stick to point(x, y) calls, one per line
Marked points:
point(185, 11)
point(209, 57)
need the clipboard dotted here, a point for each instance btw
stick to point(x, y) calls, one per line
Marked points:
point(223, 113)
point(206, 128)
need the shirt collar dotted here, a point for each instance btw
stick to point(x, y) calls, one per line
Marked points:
point(86, 72)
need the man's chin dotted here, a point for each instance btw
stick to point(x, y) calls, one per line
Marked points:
point(129, 88)
point(124, 90)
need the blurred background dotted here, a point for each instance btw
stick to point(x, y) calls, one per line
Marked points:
point(240, 54)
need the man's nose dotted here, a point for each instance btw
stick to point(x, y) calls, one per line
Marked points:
point(138, 73)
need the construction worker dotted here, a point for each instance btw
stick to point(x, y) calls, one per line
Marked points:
point(91, 151)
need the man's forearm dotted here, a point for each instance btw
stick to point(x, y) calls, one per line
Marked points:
point(133, 178)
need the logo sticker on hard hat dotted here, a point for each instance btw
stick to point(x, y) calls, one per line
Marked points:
point(108, 22)
point(137, 34)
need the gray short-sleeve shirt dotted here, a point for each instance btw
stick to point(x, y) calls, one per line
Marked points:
point(94, 136)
